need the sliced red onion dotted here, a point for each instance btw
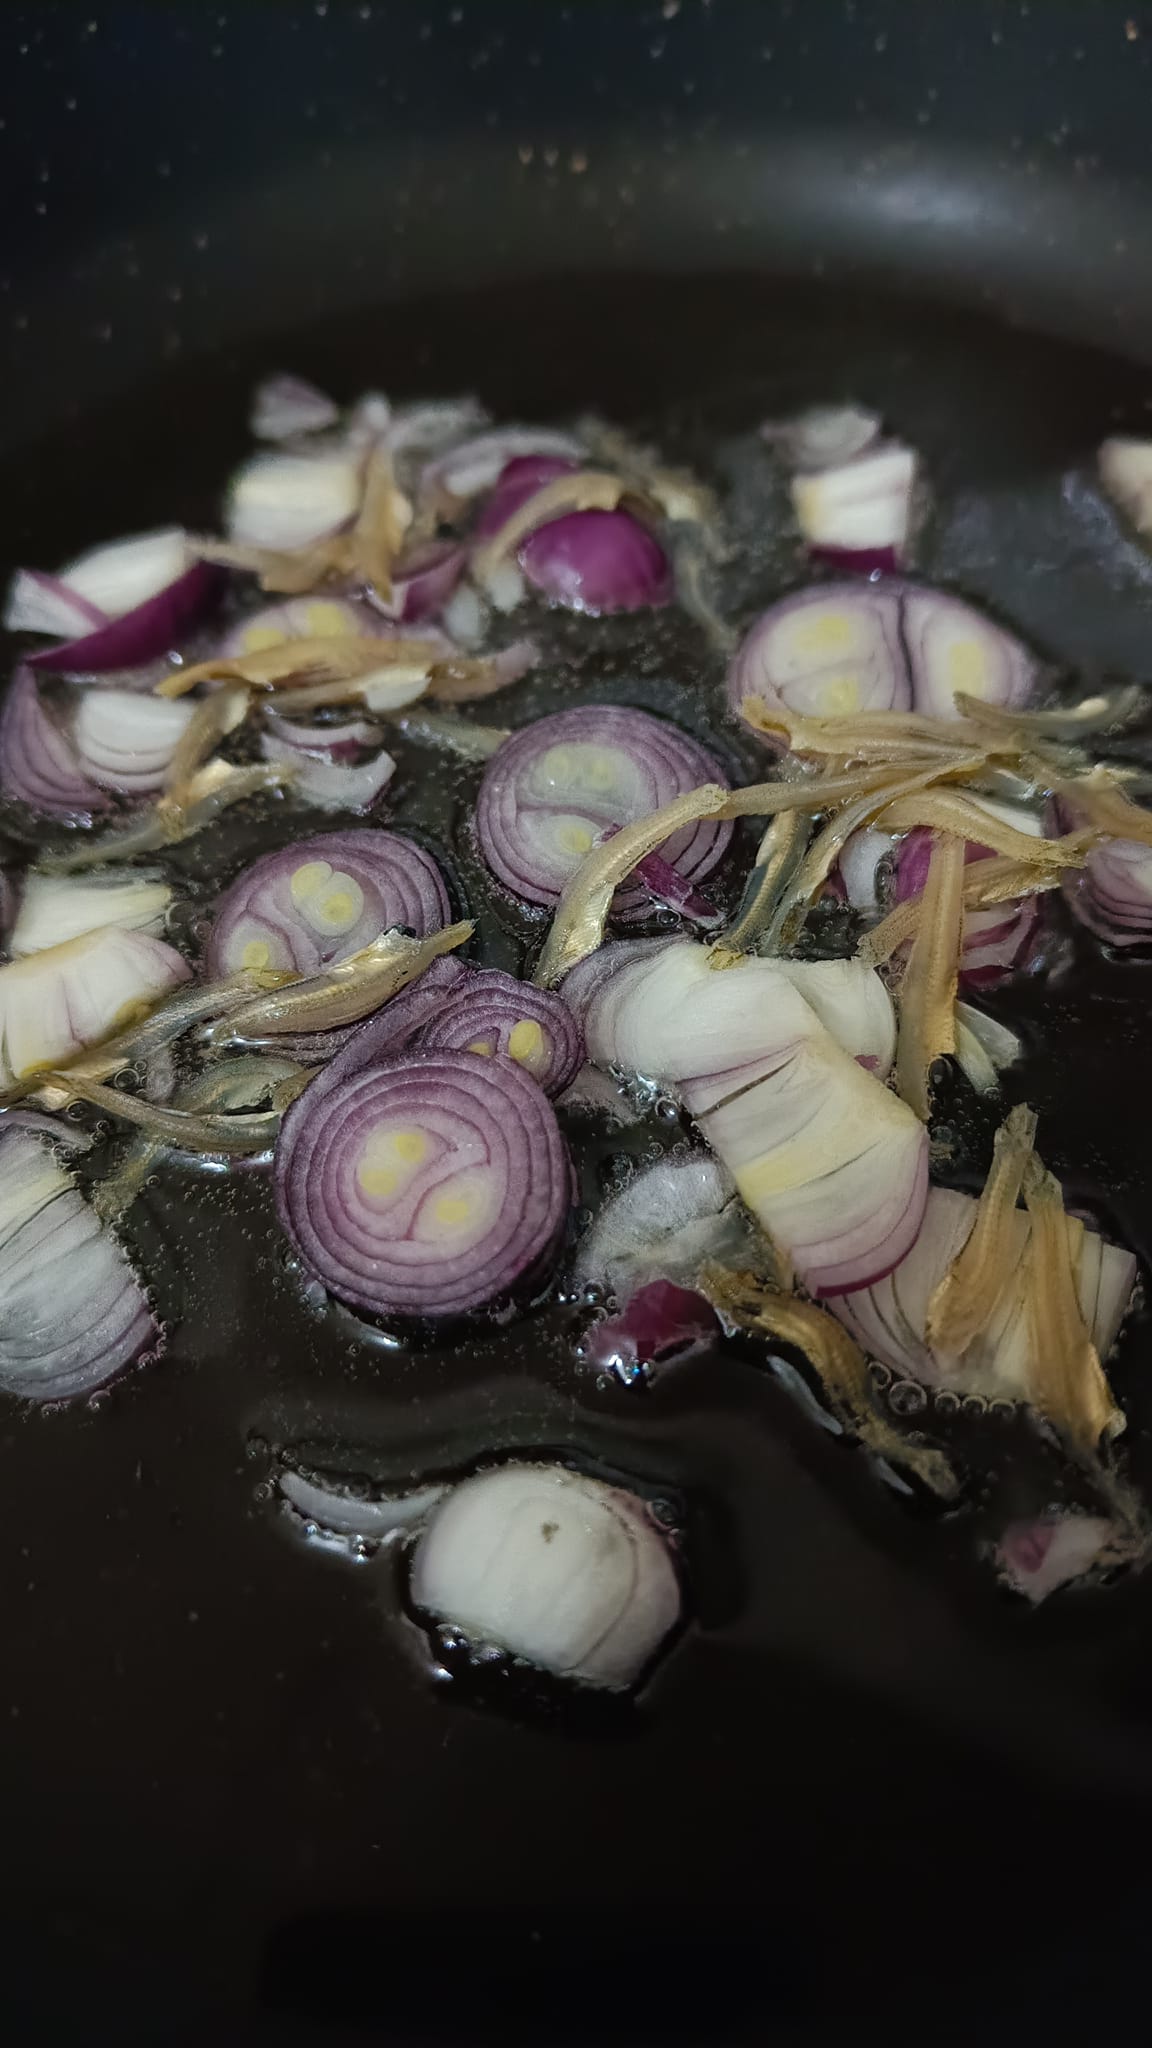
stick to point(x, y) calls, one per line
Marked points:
point(570, 1574)
point(56, 908)
point(996, 941)
point(491, 1012)
point(661, 1321)
point(518, 481)
point(423, 582)
point(839, 649)
point(475, 466)
point(428, 1186)
point(39, 603)
point(953, 647)
point(859, 506)
point(126, 741)
point(824, 437)
point(285, 406)
point(303, 618)
point(466, 616)
point(55, 1002)
point(1112, 893)
point(664, 1224)
point(72, 1313)
point(597, 562)
point(39, 765)
point(832, 1164)
point(888, 1319)
point(555, 787)
point(1038, 1557)
point(317, 901)
point(332, 785)
point(288, 499)
point(152, 628)
point(666, 885)
point(827, 652)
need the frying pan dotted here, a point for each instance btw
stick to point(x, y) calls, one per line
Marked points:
point(864, 1789)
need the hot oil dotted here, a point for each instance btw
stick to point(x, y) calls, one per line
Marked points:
point(277, 1705)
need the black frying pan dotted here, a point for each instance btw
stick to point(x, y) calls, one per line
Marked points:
point(864, 1785)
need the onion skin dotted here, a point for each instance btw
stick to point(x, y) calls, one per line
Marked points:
point(519, 824)
point(430, 1186)
point(559, 1569)
point(492, 1013)
point(399, 885)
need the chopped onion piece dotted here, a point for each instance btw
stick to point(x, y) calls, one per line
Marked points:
point(853, 1004)
point(1126, 474)
point(338, 1512)
point(423, 581)
point(285, 501)
point(123, 574)
point(428, 1186)
point(492, 1013)
point(476, 465)
point(138, 637)
point(127, 742)
point(562, 782)
point(55, 908)
point(664, 1224)
point(861, 505)
point(54, 1002)
point(824, 437)
point(301, 618)
point(1112, 893)
point(332, 785)
point(72, 1313)
point(1053, 1550)
point(830, 1163)
point(285, 406)
point(839, 650)
point(659, 1322)
point(562, 1570)
point(39, 603)
point(322, 899)
point(39, 766)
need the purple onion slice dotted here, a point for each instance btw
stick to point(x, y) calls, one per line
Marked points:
point(491, 1012)
point(839, 649)
point(429, 1186)
point(72, 1313)
point(317, 901)
point(555, 787)
point(597, 562)
point(1112, 893)
point(39, 766)
point(153, 628)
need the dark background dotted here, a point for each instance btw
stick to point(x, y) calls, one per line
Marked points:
point(218, 1816)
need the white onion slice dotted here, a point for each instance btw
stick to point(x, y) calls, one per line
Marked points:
point(38, 603)
point(830, 1162)
point(332, 785)
point(56, 1002)
point(861, 504)
point(559, 1569)
point(126, 573)
point(825, 436)
point(284, 501)
point(71, 1310)
point(126, 740)
point(56, 908)
point(340, 1513)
